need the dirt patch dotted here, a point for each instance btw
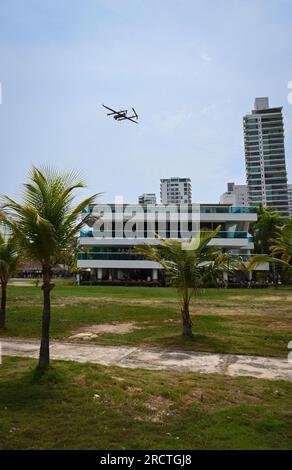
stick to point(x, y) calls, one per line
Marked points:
point(134, 389)
point(64, 301)
point(277, 298)
point(92, 331)
point(265, 298)
point(160, 408)
point(211, 399)
point(22, 283)
point(118, 379)
point(256, 309)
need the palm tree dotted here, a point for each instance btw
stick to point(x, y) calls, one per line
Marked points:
point(265, 229)
point(218, 267)
point(280, 249)
point(45, 225)
point(282, 244)
point(186, 268)
point(9, 262)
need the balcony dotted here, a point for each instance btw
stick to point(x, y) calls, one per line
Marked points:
point(166, 234)
point(114, 255)
point(227, 210)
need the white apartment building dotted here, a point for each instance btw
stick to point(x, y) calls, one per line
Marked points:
point(175, 190)
point(236, 195)
point(265, 157)
point(147, 198)
point(106, 253)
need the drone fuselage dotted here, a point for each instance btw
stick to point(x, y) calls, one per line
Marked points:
point(120, 116)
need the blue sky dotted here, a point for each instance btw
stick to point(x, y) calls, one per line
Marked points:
point(190, 68)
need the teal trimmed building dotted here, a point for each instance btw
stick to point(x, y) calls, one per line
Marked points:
point(106, 247)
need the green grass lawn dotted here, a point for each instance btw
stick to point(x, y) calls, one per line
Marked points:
point(93, 407)
point(246, 321)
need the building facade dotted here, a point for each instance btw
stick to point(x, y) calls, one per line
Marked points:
point(106, 251)
point(175, 190)
point(265, 157)
point(147, 198)
point(236, 195)
point(290, 199)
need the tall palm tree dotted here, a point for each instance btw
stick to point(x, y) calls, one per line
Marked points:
point(9, 263)
point(186, 268)
point(45, 225)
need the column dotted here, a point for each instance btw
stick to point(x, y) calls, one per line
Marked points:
point(154, 274)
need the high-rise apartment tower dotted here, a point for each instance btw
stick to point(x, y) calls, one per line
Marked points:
point(265, 157)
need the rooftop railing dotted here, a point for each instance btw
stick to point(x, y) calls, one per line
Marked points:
point(219, 209)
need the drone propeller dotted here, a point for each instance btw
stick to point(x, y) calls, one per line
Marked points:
point(135, 113)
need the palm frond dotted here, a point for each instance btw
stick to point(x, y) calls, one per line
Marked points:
point(45, 223)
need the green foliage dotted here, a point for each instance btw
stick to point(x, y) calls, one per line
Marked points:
point(189, 266)
point(280, 248)
point(9, 259)
point(265, 229)
point(282, 245)
point(45, 224)
point(183, 264)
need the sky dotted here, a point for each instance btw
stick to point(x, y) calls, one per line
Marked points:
point(190, 68)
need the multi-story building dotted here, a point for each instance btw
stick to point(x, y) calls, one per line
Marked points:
point(236, 195)
point(147, 198)
point(106, 249)
point(175, 190)
point(265, 157)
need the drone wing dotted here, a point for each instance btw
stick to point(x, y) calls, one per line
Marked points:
point(110, 109)
point(130, 119)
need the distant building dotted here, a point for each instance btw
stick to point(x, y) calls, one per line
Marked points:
point(147, 198)
point(236, 195)
point(175, 190)
point(265, 157)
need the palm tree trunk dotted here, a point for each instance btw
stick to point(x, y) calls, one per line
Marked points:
point(186, 319)
point(187, 323)
point(3, 305)
point(44, 357)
